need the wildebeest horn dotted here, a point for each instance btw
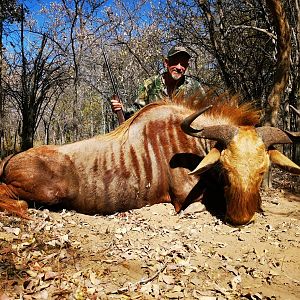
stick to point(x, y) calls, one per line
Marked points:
point(295, 110)
point(220, 133)
point(272, 135)
point(294, 136)
point(186, 124)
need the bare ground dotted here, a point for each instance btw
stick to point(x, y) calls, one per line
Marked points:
point(153, 253)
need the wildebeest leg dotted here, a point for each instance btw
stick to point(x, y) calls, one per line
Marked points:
point(183, 193)
point(195, 195)
point(13, 206)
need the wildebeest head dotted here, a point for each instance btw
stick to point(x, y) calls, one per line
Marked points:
point(245, 153)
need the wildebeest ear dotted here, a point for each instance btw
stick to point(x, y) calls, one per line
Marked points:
point(207, 162)
point(281, 161)
point(185, 160)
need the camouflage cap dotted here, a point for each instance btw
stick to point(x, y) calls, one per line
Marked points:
point(177, 49)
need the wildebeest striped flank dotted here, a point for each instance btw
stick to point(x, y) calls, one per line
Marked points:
point(148, 160)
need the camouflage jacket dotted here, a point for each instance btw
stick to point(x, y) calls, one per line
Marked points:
point(154, 89)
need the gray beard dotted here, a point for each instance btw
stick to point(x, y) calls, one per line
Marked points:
point(176, 76)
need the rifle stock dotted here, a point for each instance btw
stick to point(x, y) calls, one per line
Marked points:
point(120, 116)
point(120, 113)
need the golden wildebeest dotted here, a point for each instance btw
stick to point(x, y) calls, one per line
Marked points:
point(154, 157)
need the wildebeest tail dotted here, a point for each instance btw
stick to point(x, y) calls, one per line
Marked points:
point(8, 204)
point(14, 207)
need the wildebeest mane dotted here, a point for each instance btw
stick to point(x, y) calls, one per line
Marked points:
point(224, 106)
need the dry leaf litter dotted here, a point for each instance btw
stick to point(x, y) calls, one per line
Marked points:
point(153, 253)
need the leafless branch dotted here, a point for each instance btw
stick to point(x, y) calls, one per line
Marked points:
point(236, 27)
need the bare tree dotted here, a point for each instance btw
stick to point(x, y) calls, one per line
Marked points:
point(233, 39)
point(10, 12)
point(281, 74)
point(33, 76)
point(293, 95)
point(237, 45)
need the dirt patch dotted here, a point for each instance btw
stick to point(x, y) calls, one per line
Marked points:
point(153, 253)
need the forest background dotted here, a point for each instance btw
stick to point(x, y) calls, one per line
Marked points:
point(55, 87)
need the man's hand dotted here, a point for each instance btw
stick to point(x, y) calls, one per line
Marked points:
point(116, 105)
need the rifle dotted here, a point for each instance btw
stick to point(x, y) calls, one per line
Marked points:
point(120, 113)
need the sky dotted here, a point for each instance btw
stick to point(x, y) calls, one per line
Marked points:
point(35, 5)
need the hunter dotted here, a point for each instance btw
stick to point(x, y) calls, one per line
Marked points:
point(168, 84)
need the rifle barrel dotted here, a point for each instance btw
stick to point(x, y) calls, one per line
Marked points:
point(120, 113)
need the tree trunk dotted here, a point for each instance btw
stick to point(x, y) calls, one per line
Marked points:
point(282, 69)
point(2, 150)
point(27, 133)
point(294, 96)
point(283, 61)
